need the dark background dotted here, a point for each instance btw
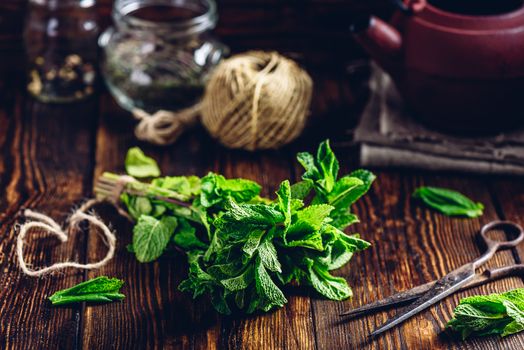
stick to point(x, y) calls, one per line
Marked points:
point(313, 31)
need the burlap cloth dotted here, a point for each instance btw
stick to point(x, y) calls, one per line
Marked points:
point(388, 137)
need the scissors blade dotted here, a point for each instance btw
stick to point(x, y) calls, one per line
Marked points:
point(412, 294)
point(445, 286)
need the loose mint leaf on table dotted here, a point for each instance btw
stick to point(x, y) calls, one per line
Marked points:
point(482, 315)
point(97, 290)
point(151, 236)
point(243, 249)
point(139, 165)
point(449, 202)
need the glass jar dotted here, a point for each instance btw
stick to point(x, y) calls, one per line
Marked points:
point(160, 52)
point(61, 47)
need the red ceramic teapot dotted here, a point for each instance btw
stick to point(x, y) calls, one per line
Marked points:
point(459, 64)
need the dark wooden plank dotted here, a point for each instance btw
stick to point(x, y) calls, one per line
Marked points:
point(46, 156)
point(411, 245)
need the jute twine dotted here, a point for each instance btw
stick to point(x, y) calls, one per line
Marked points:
point(45, 223)
point(255, 100)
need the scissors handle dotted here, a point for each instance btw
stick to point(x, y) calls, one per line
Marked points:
point(496, 245)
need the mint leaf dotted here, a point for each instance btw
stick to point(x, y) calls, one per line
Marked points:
point(449, 202)
point(310, 219)
point(482, 315)
point(97, 290)
point(139, 165)
point(284, 201)
point(271, 296)
point(334, 288)
point(185, 236)
point(301, 190)
point(151, 236)
point(215, 189)
point(269, 257)
point(239, 282)
point(187, 186)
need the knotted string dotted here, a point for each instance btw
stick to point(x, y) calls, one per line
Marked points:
point(164, 127)
point(45, 223)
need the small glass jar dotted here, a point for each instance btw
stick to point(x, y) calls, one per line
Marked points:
point(61, 47)
point(160, 52)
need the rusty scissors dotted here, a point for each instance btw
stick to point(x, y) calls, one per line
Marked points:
point(464, 277)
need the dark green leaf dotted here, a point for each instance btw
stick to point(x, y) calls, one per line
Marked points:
point(271, 296)
point(185, 236)
point(449, 202)
point(284, 201)
point(334, 288)
point(98, 290)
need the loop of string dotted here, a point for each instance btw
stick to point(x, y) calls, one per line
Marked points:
point(164, 127)
point(47, 224)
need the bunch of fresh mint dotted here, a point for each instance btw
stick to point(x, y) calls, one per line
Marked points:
point(243, 248)
point(481, 315)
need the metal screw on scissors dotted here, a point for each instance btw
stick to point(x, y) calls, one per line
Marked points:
point(456, 279)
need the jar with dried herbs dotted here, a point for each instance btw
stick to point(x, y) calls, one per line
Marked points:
point(160, 52)
point(61, 47)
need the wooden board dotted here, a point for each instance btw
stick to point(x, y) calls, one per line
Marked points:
point(49, 156)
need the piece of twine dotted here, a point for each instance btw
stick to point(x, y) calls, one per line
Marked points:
point(255, 100)
point(47, 224)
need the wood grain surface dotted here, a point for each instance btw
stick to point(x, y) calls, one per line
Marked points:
point(49, 156)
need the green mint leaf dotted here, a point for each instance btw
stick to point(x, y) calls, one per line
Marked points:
point(269, 257)
point(307, 161)
point(284, 201)
point(334, 288)
point(322, 171)
point(482, 315)
point(449, 202)
point(239, 282)
point(137, 206)
point(240, 215)
point(367, 177)
point(139, 165)
point(309, 219)
point(216, 189)
point(186, 186)
point(312, 240)
point(270, 295)
point(151, 236)
point(253, 242)
point(98, 290)
point(185, 236)
point(301, 190)
point(328, 164)
point(345, 192)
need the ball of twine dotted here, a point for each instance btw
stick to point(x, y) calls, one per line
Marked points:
point(254, 100)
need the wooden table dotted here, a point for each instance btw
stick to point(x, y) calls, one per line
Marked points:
point(50, 155)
